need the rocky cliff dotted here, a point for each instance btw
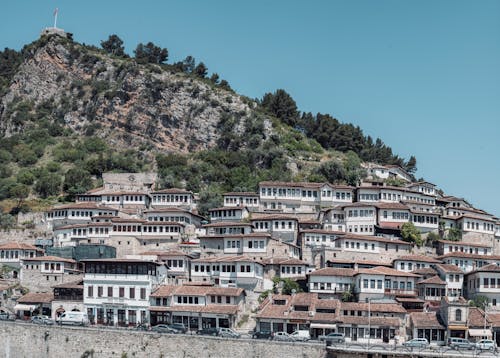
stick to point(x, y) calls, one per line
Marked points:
point(117, 99)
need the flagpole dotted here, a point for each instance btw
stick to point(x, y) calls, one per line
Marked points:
point(55, 18)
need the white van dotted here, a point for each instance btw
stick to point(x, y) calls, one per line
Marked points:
point(74, 318)
point(301, 335)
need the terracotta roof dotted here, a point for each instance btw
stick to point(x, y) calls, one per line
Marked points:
point(322, 231)
point(434, 280)
point(228, 208)
point(220, 309)
point(36, 298)
point(264, 217)
point(449, 268)
point(14, 245)
point(374, 307)
point(476, 317)
point(374, 321)
point(375, 238)
point(240, 258)
point(487, 268)
point(283, 261)
point(291, 184)
point(390, 225)
point(470, 256)
point(332, 271)
point(75, 284)
point(388, 272)
point(228, 224)
point(164, 253)
point(463, 243)
point(83, 205)
point(409, 299)
point(425, 271)
point(420, 258)
point(171, 191)
point(394, 205)
point(77, 226)
point(160, 223)
point(359, 262)
point(237, 236)
point(243, 193)
point(327, 304)
point(164, 291)
point(358, 204)
point(50, 259)
point(425, 320)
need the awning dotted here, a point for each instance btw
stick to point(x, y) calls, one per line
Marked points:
point(324, 325)
point(457, 328)
point(480, 333)
point(21, 307)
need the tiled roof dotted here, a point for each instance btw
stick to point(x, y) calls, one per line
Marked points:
point(242, 193)
point(75, 284)
point(394, 205)
point(359, 262)
point(227, 223)
point(420, 258)
point(425, 271)
point(388, 272)
point(470, 256)
point(164, 291)
point(273, 216)
point(283, 261)
point(374, 321)
point(50, 259)
point(227, 259)
point(425, 320)
point(218, 309)
point(14, 245)
point(488, 268)
point(164, 253)
point(374, 307)
point(375, 238)
point(434, 280)
point(449, 268)
point(332, 271)
point(462, 243)
point(83, 205)
point(36, 298)
point(171, 191)
point(476, 317)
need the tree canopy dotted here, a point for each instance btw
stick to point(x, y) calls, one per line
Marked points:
point(114, 46)
point(411, 234)
point(150, 53)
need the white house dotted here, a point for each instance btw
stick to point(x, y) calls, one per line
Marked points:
point(409, 263)
point(249, 200)
point(484, 281)
point(116, 291)
point(331, 282)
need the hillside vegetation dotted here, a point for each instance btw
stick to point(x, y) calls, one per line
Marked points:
point(69, 112)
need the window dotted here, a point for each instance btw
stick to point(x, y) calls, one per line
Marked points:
point(100, 291)
point(121, 292)
point(131, 292)
point(90, 291)
point(110, 291)
point(143, 293)
point(458, 315)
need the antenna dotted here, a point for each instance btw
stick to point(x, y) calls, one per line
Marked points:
point(56, 11)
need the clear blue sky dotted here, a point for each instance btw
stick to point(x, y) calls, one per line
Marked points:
point(423, 75)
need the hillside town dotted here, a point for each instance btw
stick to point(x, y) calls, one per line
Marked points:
point(291, 257)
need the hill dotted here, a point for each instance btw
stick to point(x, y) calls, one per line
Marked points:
point(69, 112)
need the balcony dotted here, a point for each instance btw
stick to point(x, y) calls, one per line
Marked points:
point(400, 292)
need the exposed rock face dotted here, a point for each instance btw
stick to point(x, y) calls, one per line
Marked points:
point(126, 103)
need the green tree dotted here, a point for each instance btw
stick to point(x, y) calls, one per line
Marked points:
point(454, 234)
point(433, 237)
point(214, 78)
point(348, 295)
point(410, 233)
point(114, 46)
point(20, 192)
point(225, 85)
point(7, 221)
point(25, 176)
point(48, 184)
point(281, 105)
point(201, 70)
point(411, 165)
point(333, 171)
point(188, 64)
point(480, 302)
point(77, 181)
point(150, 53)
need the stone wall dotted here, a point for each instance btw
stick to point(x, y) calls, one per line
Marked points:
point(19, 340)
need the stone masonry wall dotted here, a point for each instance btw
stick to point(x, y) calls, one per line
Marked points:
point(19, 340)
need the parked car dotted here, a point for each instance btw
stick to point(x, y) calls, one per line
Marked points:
point(41, 320)
point(417, 343)
point(262, 335)
point(4, 316)
point(74, 318)
point(163, 328)
point(333, 338)
point(228, 333)
point(301, 335)
point(208, 331)
point(460, 343)
point(180, 327)
point(282, 336)
point(486, 344)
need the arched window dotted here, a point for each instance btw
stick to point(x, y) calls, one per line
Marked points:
point(458, 315)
